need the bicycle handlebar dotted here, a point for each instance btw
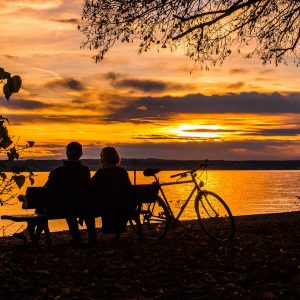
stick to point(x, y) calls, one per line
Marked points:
point(184, 174)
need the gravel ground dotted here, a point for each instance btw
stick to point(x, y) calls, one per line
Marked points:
point(262, 262)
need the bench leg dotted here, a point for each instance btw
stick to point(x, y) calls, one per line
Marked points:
point(47, 234)
point(136, 225)
point(36, 228)
point(32, 228)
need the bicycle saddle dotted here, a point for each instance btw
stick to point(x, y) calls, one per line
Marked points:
point(151, 171)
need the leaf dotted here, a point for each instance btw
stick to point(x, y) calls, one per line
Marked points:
point(10, 83)
point(22, 198)
point(19, 180)
point(7, 91)
point(12, 154)
point(31, 180)
point(6, 75)
point(30, 144)
point(24, 205)
point(16, 83)
point(6, 142)
point(3, 175)
point(2, 73)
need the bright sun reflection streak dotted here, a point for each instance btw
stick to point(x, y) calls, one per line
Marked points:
point(197, 131)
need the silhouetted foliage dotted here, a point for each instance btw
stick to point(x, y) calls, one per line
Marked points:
point(9, 182)
point(208, 30)
point(12, 85)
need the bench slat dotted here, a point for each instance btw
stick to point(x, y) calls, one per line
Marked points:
point(23, 218)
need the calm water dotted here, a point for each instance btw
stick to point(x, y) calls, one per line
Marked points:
point(246, 192)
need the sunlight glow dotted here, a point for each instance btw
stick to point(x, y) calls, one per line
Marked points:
point(197, 131)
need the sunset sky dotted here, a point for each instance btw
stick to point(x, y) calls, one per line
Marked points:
point(149, 105)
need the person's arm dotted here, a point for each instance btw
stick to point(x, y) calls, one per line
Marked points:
point(87, 176)
point(126, 180)
point(50, 182)
point(94, 181)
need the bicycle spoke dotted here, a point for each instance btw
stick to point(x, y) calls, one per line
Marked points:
point(153, 220)
point(214, 216)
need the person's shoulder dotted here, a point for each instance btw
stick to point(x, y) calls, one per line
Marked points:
point(97, 174)
point(84, 167)
point(121, 170)
point(56, 170)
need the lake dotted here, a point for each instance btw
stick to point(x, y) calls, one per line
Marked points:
point(246, 193)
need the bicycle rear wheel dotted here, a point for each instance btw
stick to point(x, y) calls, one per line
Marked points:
point(151, 220)
point(215, 216)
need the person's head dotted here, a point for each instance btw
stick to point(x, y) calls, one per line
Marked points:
point(74, 151)
point(109, 157)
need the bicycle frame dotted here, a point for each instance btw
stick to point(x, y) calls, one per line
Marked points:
point(213, 214)
point(196, 187)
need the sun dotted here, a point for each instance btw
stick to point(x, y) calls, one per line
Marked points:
point(196, 131)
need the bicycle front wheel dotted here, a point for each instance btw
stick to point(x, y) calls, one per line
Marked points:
point(214, 216)
point(151, 220)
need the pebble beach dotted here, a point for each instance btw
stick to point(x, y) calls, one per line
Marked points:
point(261, 262)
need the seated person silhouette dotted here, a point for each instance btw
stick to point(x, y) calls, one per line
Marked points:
point(73, 175)
point(112, 188)
point(67, 180)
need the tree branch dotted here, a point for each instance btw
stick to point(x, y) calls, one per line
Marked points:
point(235, 7)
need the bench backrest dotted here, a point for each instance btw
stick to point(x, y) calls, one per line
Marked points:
point(59, 203)
point(63, 202)
point(145, 193)
point(37, 197)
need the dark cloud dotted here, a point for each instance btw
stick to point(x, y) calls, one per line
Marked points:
point(244, 103)
point(69, 21)
point(279, 132)
point(111, 76)
point(154, 86)
point(267, 71)
point(69, 83)
point(293, 123)
point(52, 118)
point(157, 137)
point(78, 101)
point(28, 105)
point(11, 56)
point(243, 150)
point(193, 150)
point(238, 71)
point(262, 79)
point(142, 85)
point(25, 104)
point(235, 86)
point(259, 131)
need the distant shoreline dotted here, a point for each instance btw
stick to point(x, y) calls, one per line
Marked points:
point(37, 165)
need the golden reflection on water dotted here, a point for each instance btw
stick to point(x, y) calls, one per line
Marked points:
point(245, 192)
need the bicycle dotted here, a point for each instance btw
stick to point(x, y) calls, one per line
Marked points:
point(154, 215)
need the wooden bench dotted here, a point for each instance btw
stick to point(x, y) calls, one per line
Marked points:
point(60, 204)
point(52, 205)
